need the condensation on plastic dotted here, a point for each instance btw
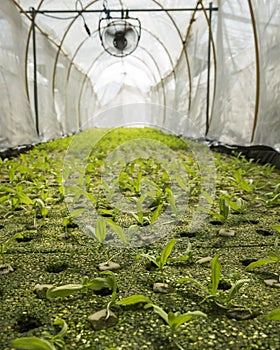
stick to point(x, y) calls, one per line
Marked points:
point(77, 79)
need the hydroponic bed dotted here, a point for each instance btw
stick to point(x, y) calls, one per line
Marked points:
point(204, 267)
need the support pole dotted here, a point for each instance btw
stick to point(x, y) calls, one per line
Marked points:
point(208, 69)
point(33, 14)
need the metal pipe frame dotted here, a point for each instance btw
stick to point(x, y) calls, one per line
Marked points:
point(33, 15)
point(120, 10)
point(208, 70)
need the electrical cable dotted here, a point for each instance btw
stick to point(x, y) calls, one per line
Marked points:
point(80, 13)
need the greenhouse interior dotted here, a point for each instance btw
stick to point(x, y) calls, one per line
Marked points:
point(140, 174)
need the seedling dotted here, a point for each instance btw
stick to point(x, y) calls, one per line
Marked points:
point(225, 205)
point(15, 196)
point(222, 299)
point(96, 284)
point(274, 197)
point(161, 260)
point(274, 257)
point(46, 342)
point(100, 230)
point(5, 245)
point(67, 220)
point(113, 286)
point(173, 320)
point(242, 184)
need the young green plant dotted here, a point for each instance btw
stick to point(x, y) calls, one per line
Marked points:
point(95, 284)
point(161, 260)
point(273, 257)
point(5, 245)
point(46, 342)
point(174, 320)
point(211, 291)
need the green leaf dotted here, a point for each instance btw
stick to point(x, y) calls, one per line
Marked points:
point(100, 229)
point(134, 299)
point(207, 197)
point(64, 327)
point(274, 257)
point(224, 208)
point(175, 321)
point(237, 206)
point(112, 282)
point(235, 288)
point(105, 212)
point(166, 252)
point(9, 240)
point(24, 198)
point(274, 315)
point(180, 182)
point(32, 343)
point(215, 274)
point(118, 230)
point(149, 257)
point(276, 227)
point(77, 212)
point(99, 283)
point(161, 312)
point(4, 198)
point(139, 204)
point(171, 200)
point(66, 221)
point(156, 214)
point(259, 263)
point(7, 189)
point(63, 291)
point(216, 215)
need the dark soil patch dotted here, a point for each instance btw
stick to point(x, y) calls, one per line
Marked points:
point(57, 267)
point(27, 322)
point(264, 232)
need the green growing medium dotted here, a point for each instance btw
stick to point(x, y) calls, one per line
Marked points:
point(219, 297)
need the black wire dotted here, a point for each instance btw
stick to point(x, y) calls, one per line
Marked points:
point(56, 17)
point(81, 14)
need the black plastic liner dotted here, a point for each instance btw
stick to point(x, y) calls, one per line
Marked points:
point(261, 154)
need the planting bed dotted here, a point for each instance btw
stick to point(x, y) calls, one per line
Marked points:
point(241, 226)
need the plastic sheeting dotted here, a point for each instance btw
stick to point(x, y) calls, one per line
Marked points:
point(77, 80)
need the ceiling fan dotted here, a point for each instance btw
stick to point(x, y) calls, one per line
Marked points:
point(119, 36)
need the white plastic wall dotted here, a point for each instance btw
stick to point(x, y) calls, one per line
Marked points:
point(77, 80)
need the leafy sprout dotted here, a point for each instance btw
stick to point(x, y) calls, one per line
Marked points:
point(273, 257)
point(211, 290)
point(5, 244)
point(174, 320)
point(46, 342)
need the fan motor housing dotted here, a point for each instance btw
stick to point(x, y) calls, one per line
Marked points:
point(119, 36)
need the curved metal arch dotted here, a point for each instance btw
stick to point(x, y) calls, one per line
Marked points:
point(61, 42)
point(214, 60)
point(257, 55)
point(27, 46)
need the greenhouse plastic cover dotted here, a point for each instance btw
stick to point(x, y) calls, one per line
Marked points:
point(77, 80)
